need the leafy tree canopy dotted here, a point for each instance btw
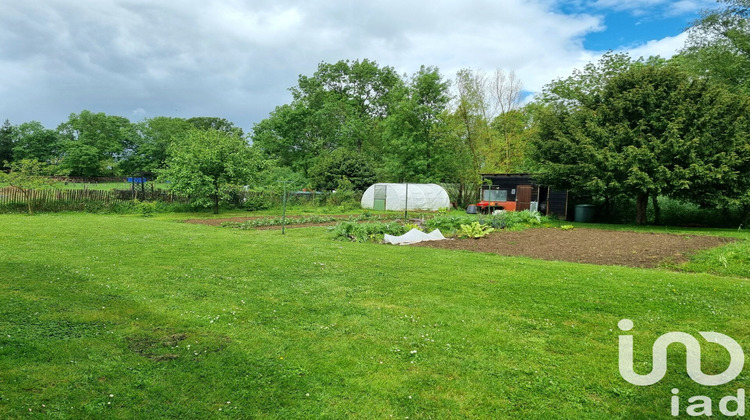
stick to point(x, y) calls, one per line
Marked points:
point(719, 46)
point(6, 143)
point(342, 105)
point(148, 153)
point(215, 123)
point(33, 141)
point(342, 164)
point(647, 130)
point(108, 135)
point(204, 163)
point(414, 130)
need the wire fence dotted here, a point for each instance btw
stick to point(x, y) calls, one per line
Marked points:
point(12, 198)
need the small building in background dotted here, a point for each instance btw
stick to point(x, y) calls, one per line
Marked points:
point(518, 192)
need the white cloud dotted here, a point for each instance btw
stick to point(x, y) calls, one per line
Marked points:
point(665, 48)
point(236, 59)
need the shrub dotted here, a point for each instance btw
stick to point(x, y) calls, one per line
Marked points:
point(366, 232)
point(255, 201)
point(448, 224)
point(513, 220)
point(147, 208)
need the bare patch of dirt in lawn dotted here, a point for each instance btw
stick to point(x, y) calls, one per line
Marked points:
point(591, 246)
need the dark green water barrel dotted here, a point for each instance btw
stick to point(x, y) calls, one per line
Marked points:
point(585, 213)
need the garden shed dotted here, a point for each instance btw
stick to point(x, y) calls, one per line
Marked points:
point(399, 197)
point(517, 192)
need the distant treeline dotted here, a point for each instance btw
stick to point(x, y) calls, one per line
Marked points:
point(616, 129)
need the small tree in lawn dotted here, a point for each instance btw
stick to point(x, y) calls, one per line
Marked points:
point(27, 176)
point(203, 163)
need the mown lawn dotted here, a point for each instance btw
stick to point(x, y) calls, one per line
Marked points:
point(123, 317)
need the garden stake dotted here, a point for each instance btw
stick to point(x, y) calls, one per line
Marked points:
point(283, 209)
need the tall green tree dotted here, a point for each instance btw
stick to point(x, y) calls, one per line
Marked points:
point(487, 111)
point(83, 160)
point(648, 130)
point(506, 93)
point(110, 135)
point(204, 163)
point(6, 143)
point(34, 141)
point(515, 128)
point(718, 46)
point(340, 165)
point(215, 123)
point(148, 152)
point(291, 137)
point(342, 105)
point(413, 130)
point(584, 85)
point(472, 117)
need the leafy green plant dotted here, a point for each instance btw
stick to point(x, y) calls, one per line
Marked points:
point(315, 218)
point(567, 227)
point(410, 226)
point(448, 224)
point(475, 230)
point(366, 232)
point(513, 220)
point(147, 208)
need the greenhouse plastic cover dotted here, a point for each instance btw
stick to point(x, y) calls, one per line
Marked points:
point(420, 197)
point(414, 236)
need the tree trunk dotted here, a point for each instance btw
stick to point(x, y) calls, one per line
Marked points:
point(657, 209)
point(29, 204)
point(216, 196)
point(641, 201)
point(607, 209)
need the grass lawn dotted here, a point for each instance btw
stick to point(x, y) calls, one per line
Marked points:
point(124, 317)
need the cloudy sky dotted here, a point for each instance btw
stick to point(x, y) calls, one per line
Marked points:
point(237, 58)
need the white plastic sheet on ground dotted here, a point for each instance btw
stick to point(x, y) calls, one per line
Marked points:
point(414, 236)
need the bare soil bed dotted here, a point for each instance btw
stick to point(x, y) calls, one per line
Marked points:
point(218, 222)
point(591, 246)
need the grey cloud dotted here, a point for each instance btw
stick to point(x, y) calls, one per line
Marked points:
point(236, 59)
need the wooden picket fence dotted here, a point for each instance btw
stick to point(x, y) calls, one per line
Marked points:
point(10, 195)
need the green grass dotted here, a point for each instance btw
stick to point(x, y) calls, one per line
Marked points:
point(126, 317)
point(729, 260)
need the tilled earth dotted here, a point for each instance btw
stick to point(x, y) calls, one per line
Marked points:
point(592, 246)
point(218, 222)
